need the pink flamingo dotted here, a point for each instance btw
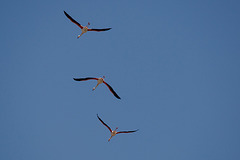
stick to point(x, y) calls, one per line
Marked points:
point(85, 29)
point(113, 133)
point(99, 81)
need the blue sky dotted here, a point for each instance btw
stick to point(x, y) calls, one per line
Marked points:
point(175, 64)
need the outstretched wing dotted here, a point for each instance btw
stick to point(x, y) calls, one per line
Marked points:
point(84, 79)
point(104, 124)
point(99, 30)
point(111, 89)
point(127, 131)
point(69, 17)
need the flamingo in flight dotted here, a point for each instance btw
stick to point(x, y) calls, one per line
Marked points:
point(99, 81)
point(85, 29)
point(113, 133)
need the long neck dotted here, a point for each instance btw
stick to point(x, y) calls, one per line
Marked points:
point(110, 138)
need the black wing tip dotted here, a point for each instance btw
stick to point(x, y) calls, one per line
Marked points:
point(115, 94)
point(107, 29)
point(77, 79)
point(98, 117)
point(65, 13)
point(134, 130)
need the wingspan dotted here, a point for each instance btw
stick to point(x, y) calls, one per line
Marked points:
point(99, 30)
point(69, 17)
point(111, 89)
point(104, 124)
point(127, 131)
point(84, 79)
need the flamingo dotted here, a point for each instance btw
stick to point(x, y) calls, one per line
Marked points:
point(113, 133)
point(99, 81)
point(85, 29)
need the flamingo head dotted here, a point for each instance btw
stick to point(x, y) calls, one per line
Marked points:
point(116, 128)
point(88, 24)
point(103, 77)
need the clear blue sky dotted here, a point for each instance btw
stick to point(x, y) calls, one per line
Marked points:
point(175, 64)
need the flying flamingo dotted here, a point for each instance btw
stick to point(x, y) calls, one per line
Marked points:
point(113, 133)
point(99, 81)
point(85, 29)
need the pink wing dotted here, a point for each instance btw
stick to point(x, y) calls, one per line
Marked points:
point(99, 30)
point(127, 131)
point(104, 124)
point(85, 79)
point(71, 19)
point(111, 89)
